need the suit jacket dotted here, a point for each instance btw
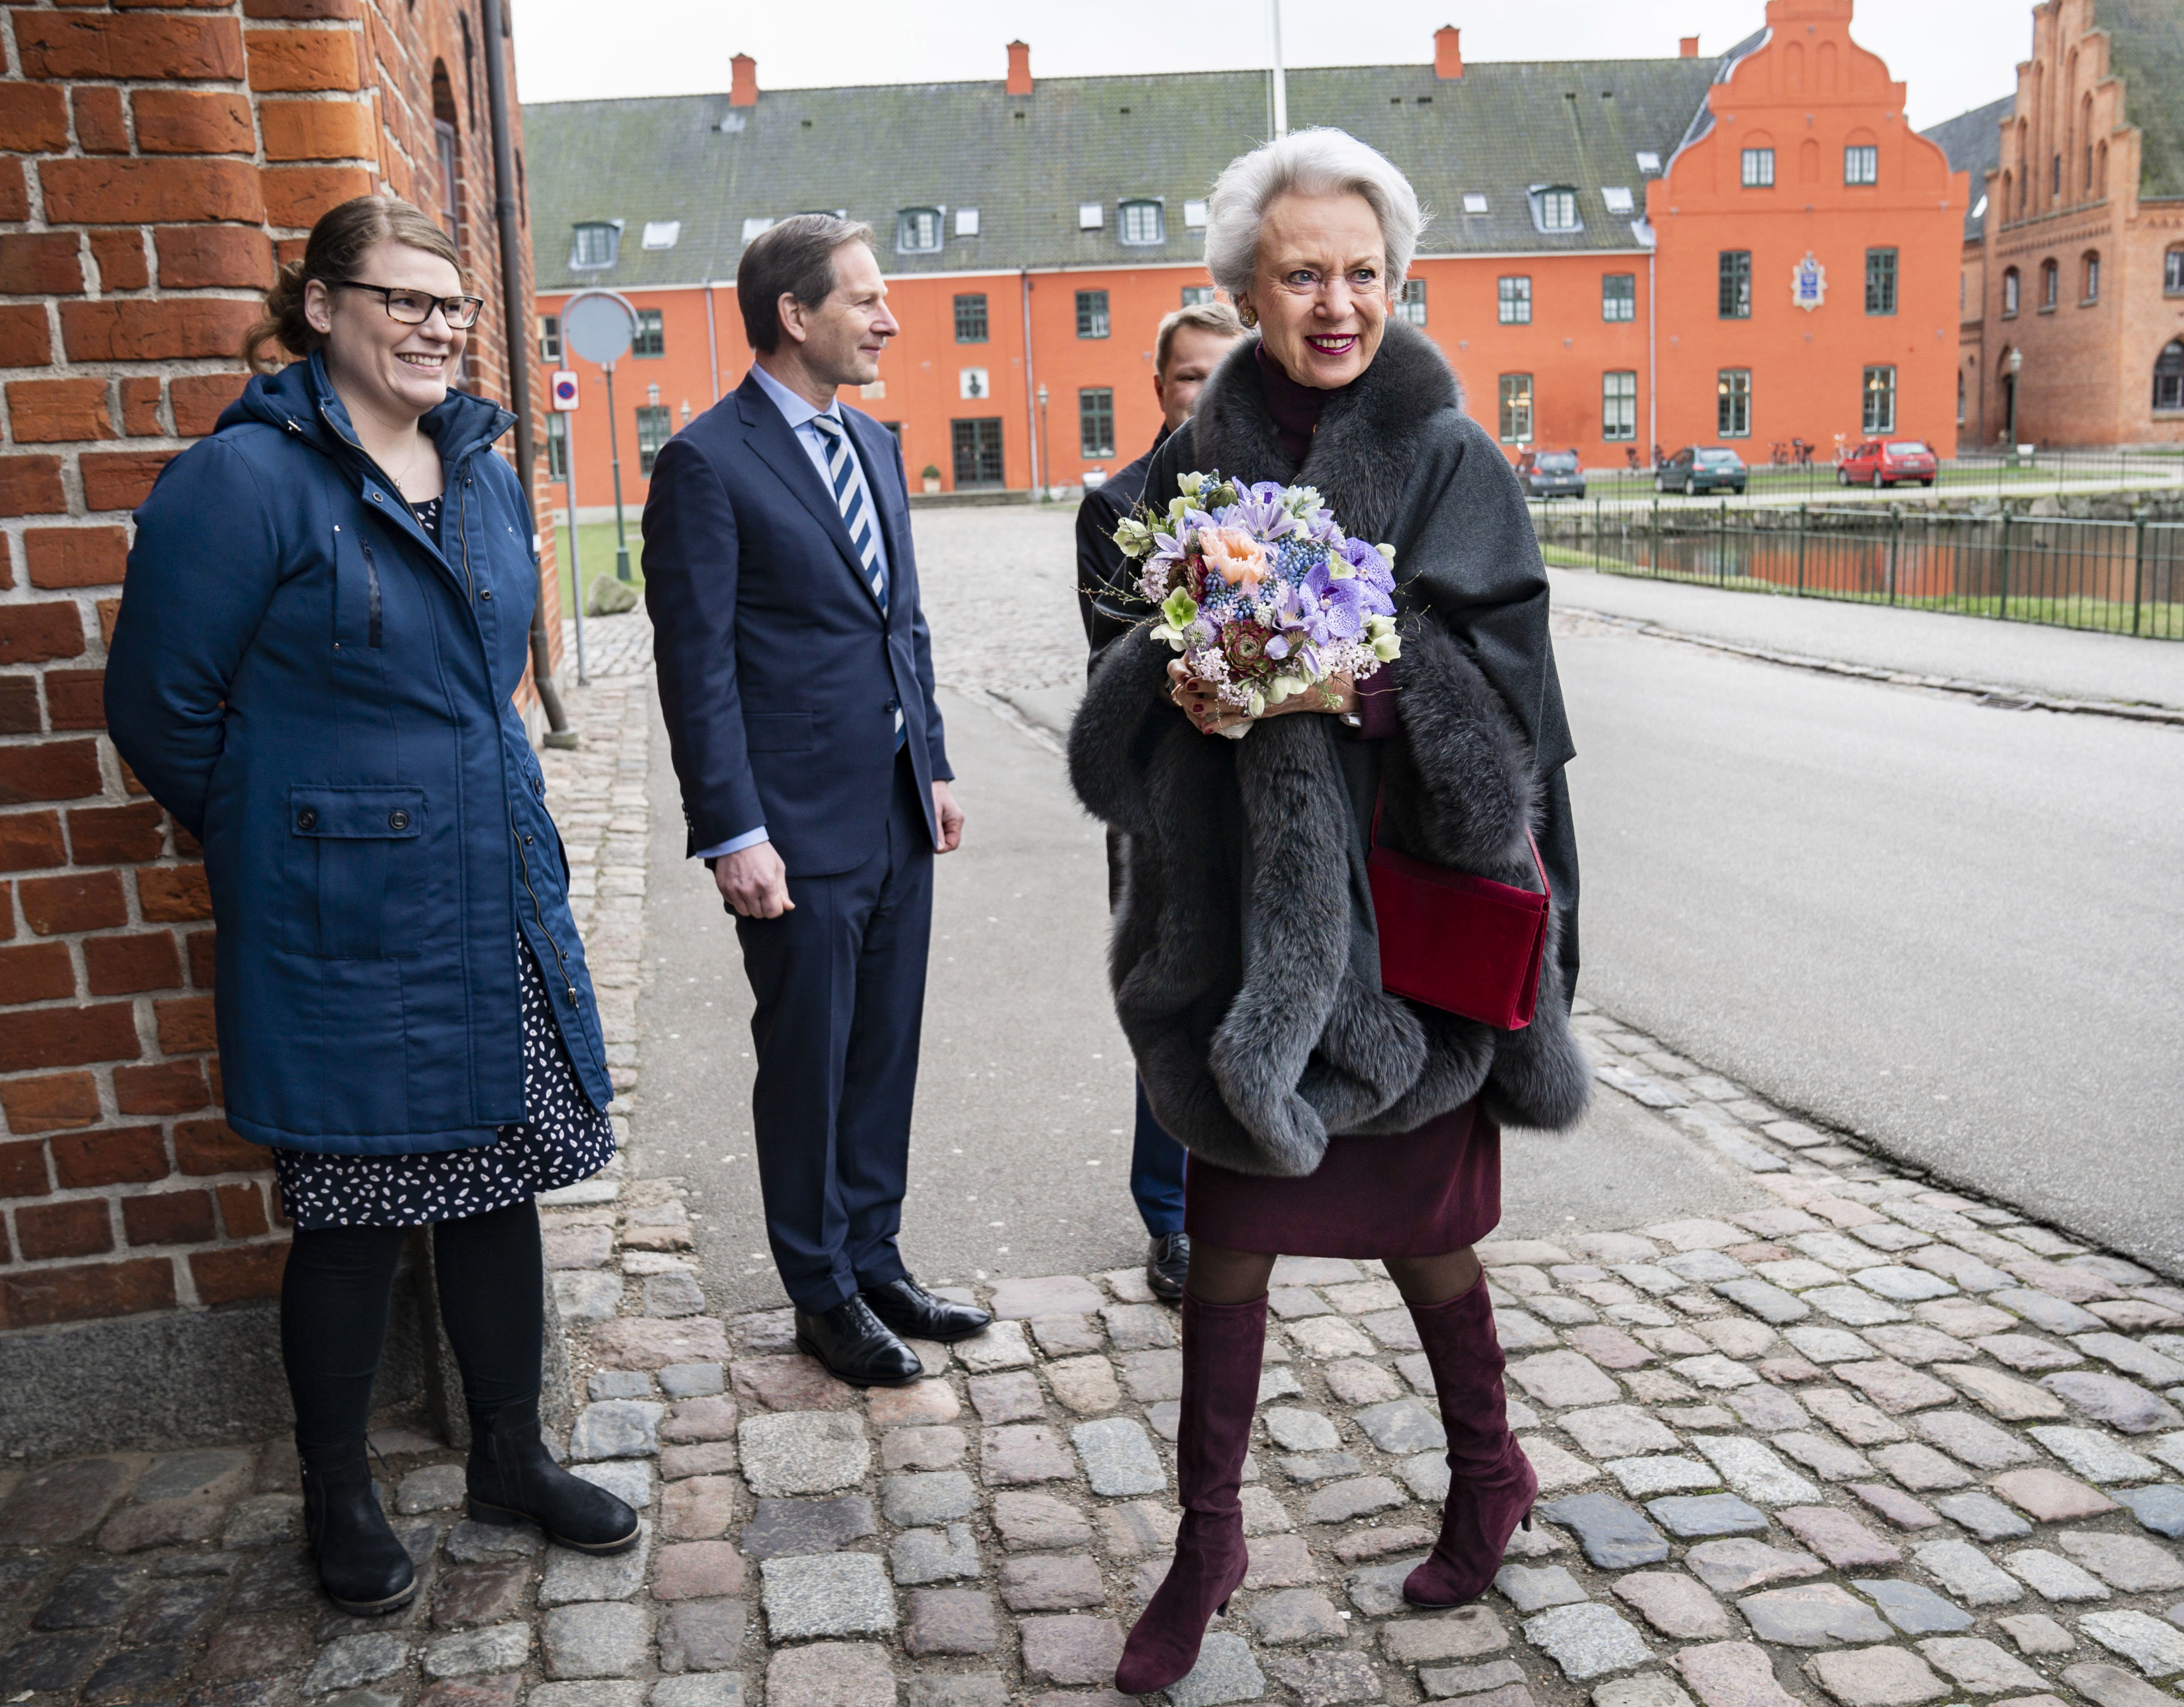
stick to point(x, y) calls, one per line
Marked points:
point(779, 675)
point(1101, 568)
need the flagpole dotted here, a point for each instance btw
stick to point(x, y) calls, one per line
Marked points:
point(1281, 77)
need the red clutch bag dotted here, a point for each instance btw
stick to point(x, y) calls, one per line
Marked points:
point(1465, 944)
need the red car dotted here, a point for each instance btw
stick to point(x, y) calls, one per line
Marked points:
point(1880, 463)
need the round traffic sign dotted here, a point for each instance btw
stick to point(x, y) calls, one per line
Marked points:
point(597, 327)
point(564, 391)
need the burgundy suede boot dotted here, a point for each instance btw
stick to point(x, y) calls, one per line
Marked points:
point(1491, 1484)
point(1222, 1347)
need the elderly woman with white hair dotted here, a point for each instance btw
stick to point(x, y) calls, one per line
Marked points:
point(1324, 1115)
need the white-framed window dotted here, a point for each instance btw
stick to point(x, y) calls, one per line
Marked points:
point(662, 234)
point(1091, 216)
point(967, 222)
point(2093, 280)
point(1141, 222)
point(1473, 202)
point(597, 243)
point(1861, 163)
point(1758, 169)
point(1649, 163)
point(1617, 196)
point(1555, 209)
point(1878, 415)
point(1194, 215)
point(1412, 306)
point(917, 231)
point(549, 339)
point(1513, 300)
point(1732, 403)
point(1516, 398)
point(1618, 405)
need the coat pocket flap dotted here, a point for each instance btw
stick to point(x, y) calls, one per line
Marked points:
point(355, 814)
point(778, 731)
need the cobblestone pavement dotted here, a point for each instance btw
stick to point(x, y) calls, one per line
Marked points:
point(999, 589)
point(1873, 1445)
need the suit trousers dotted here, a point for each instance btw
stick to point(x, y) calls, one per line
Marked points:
point(840, 987)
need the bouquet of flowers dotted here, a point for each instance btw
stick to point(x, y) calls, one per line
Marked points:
point(1261, 591)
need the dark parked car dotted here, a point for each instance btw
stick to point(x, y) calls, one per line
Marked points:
point(1551, 474)
point(1880, 463)
point(1700, 468)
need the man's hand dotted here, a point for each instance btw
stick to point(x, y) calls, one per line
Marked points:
point(950, 817)
point(753, 882)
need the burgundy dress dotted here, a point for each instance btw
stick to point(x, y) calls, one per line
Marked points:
point(1420, 1193)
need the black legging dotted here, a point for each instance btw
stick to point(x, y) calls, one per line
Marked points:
point(333, 1315)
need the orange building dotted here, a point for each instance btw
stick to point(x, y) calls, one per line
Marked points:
point(2073, 267)
point(1614, 260)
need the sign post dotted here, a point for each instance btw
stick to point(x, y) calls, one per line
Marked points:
point(561, 392)
point(600, 325)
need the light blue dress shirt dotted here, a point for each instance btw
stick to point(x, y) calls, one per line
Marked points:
point(798, 413)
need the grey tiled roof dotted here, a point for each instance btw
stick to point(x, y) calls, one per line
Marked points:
point(1027, 163)
point(1973, 143)
point(2146, 45)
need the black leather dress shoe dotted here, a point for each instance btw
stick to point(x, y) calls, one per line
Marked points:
point(1167, 1262)
point(857, 1346)
point(915, 1313)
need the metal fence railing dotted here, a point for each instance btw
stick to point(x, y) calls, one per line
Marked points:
point(2117, 576)
point(1795, 472)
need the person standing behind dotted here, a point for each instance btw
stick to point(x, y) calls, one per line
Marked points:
point(796, 676)
point(1188, 348)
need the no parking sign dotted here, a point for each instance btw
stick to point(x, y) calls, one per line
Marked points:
point(564, 391)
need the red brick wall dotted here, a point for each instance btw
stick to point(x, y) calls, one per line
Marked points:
point(153, 164)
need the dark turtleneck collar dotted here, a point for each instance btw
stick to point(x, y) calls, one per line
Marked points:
point(1295, 409)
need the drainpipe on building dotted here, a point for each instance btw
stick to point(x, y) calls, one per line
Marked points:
point(518, 333)
point(1031, 409)
point(1652, 368)
point(712, 341)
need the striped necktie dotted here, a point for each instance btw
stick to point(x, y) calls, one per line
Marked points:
point(847, 479)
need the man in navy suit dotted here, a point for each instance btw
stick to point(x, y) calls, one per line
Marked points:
point(796, 675)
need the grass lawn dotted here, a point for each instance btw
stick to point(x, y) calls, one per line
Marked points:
point(598, 545)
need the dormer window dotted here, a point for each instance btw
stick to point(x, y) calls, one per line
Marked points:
point(967, 222)
point(917, 231)
point(1194, 215)
point(1649, 163)
point(1141, 222)
point(1617, 199)
point(662, 234)
point(1091, 216)
point(599, 241)
point(1554, 208)
point(1473, 202)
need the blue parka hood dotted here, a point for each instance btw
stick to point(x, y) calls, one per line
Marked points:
point(320, 692)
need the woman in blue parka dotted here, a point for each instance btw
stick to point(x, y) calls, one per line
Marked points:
point(328, 608)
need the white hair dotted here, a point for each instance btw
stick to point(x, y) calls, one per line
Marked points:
point(1321, 162)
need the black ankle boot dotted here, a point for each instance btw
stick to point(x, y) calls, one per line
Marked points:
point(362, 1566)
point(512, 1477)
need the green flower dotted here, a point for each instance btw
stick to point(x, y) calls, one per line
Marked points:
point(1134, 538)
point(1190, 484)
point(1180, 610)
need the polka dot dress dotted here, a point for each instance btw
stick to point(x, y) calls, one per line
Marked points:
point(563, 1139)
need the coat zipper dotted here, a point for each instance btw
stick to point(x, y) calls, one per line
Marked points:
point(552, 941)
point(371, 595)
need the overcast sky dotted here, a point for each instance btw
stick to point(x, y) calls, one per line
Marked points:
point(1954, 54)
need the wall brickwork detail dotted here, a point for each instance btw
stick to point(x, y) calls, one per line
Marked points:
point(155, 164)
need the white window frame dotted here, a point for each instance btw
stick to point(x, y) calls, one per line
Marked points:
point(903, 229)
point(612, 244)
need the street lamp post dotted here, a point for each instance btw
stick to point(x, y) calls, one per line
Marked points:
point(2015, 363)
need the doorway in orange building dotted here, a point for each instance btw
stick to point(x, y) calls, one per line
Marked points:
point(978, 445)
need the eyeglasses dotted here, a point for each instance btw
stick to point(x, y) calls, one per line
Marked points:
point(415, 308)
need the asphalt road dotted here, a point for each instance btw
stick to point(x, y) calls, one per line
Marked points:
point(1955, 930)
point(1020, 1150)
